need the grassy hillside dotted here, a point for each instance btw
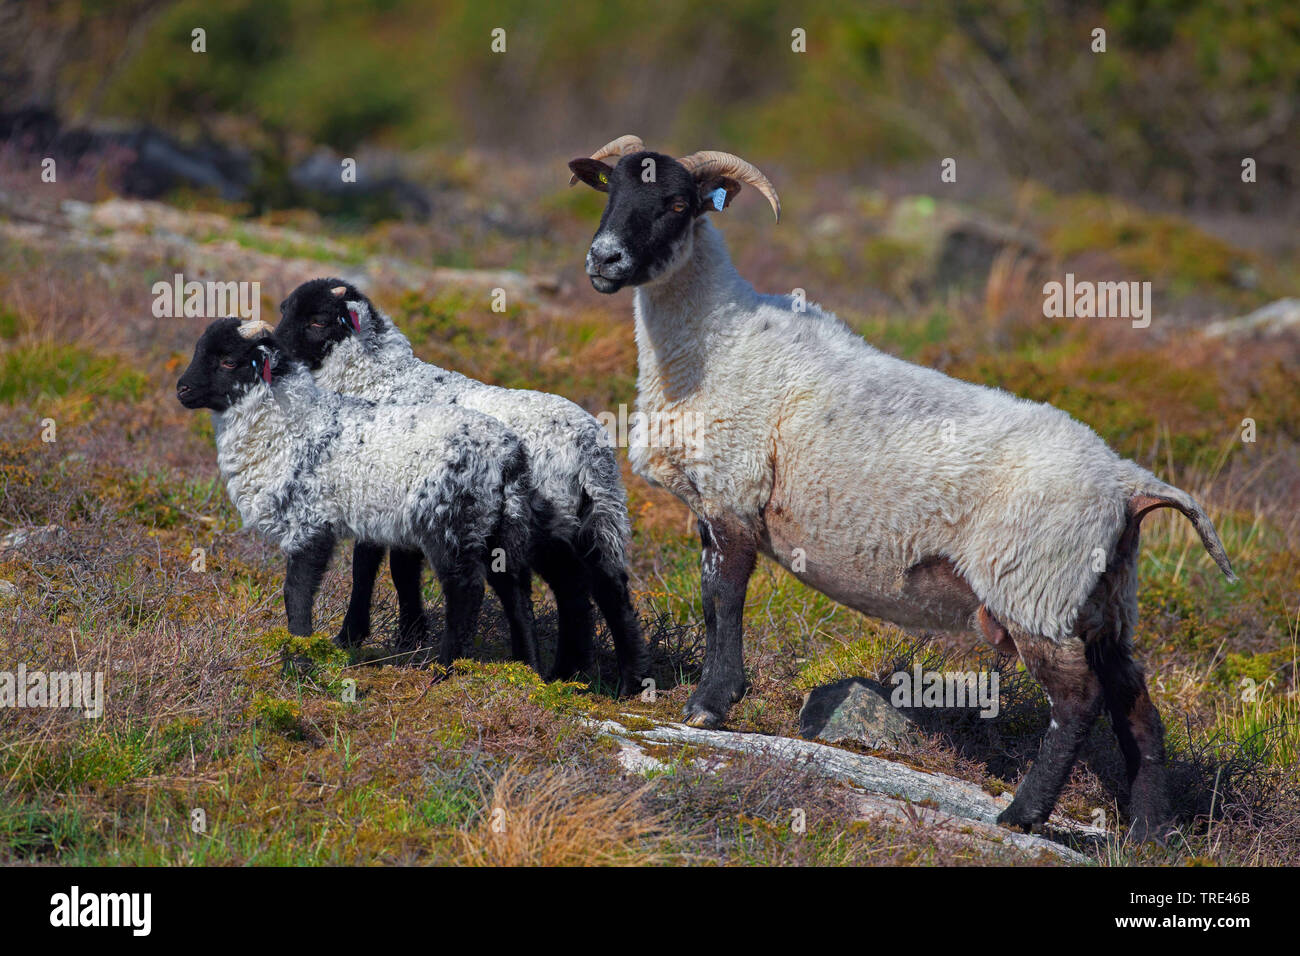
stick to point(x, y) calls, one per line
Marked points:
point(214, 706)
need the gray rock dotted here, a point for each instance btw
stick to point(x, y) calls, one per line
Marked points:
point(1269, 320)
point(959, 243)
point(855, 709)
point(20, 538)
point(8, 590)
point(892, 790)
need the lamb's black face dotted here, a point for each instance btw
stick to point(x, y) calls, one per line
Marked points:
point(225, 366)
point(645, 230)
point(316, 316)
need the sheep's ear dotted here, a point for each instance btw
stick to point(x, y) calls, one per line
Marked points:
point(716, 193)
point(592, 172)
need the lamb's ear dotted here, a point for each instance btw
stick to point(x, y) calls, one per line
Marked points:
point(591, 171)
point(716, 193)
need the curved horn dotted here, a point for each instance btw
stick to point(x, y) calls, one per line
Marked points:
point(709, 162)
point(627, 143)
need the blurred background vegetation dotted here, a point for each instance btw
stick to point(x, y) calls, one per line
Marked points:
point(1185, 89)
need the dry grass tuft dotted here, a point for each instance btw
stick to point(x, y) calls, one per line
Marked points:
point(552, 818)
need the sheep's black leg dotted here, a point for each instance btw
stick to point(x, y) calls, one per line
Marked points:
point(1109, 618)
point(405, 567)
point(728, 561)
point(557, 565)
point(1141, 737)
point(1075, 694)
point(515, 591)
point(365, 568)
point(614, 599)
point(302, 578)
point(462, 590)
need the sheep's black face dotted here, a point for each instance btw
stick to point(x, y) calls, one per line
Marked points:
point(645, 231)
point(225, 366)
point(316, 316)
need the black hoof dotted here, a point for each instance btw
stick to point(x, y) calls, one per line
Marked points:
point(569, 669)
point(696, 716)
point(406, 639)
point(629, 684)
point(1017, 817)
point(709, 705)
point(351, 635)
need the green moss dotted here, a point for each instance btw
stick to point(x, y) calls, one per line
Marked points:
point(863, 657)
point(440, 318)
point(331, 252)
point(277, 715)
point(40, 372)
point(1257, 670)
point(1166, 249)
point(9, 324)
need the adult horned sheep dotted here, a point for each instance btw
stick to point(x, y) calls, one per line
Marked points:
point(898, 491)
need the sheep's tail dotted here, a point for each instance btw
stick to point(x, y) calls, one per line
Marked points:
point(604, 528)
point(1152, 493)
point(518, 511)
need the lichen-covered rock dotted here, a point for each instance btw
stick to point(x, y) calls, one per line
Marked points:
point(21, 538)
point(855, 709)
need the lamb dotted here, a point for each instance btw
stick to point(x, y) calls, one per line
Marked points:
point(353, 348)
point(905, 494)
point(306, 467)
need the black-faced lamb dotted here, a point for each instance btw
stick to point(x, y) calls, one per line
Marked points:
point(306, 467)
point(580, 550)
point(908, 495)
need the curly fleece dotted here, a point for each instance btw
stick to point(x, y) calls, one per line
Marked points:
point(299, 461)
point(575, 472)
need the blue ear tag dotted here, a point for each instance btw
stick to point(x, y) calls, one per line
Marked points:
point(719, 198)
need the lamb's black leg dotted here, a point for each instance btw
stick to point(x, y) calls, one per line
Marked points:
point(405, 567)
point(515, 591)
point(1075, 694)
point(462, 590)
point(365, 568)
point(302, 579)
point(557, 565)
point(614, 599)
point(728, 561)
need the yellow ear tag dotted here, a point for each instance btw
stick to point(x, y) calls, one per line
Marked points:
point(604, 178)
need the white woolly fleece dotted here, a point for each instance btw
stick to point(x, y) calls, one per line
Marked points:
point(299, 461)
point(573, 465)
point(856, 466)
